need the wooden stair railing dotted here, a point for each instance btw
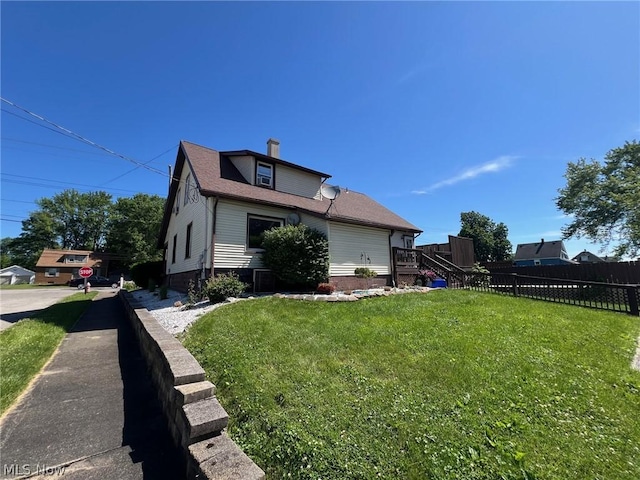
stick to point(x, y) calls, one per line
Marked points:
point(454, 275)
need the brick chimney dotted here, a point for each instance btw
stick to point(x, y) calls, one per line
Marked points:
point(273, 148)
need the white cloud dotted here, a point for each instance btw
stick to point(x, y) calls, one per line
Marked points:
point(493, 166)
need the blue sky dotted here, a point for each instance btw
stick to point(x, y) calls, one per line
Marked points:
point(431, 108)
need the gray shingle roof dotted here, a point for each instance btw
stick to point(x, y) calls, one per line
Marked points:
point(215, 175)
point(528, 251)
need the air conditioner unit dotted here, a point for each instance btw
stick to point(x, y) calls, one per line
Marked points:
point(264, 180)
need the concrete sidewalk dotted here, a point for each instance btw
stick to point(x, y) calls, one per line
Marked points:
point(92, 413)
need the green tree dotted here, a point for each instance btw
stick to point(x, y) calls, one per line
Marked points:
point(490, 242)
point(79, 219)
point(5, 252)
point(134, 227)
point(38, 233)
point(603, 200)
point(297, 255)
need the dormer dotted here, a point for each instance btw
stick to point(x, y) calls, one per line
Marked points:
point(270, 172)
point(76, 259)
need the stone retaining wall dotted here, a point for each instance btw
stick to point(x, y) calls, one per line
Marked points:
point(196, 420)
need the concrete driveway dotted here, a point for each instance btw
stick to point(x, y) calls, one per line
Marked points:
point(18, 304)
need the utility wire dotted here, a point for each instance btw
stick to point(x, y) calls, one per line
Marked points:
point(16, 201)
point(35, 123)
point(135, 168)
point(53, 181)
point(85, 140)
point(52, 146)
point(89, 142)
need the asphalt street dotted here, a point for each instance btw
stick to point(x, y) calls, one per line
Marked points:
point(18, 304)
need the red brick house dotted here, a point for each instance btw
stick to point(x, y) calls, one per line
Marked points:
point(57, 267)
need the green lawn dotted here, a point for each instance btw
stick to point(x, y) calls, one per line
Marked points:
point(449, 384)
point(26, 346)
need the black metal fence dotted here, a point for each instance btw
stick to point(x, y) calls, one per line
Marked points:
point(604, 296)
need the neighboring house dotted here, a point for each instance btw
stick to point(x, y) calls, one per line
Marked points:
point(543, 253)
point(588, 257)
point(220, 203)
point(15, 275)
point(57, 267)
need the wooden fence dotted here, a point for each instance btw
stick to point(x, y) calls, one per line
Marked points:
point(615, 272)
point(617, 297)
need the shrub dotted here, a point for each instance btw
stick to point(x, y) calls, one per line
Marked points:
point(297, 255)
point(364, 272)
point(325, 288)
point(194, 293)
point(223, 286)
point(163, 292)
point(479, 276)
point(130, 286)
point(142, 273)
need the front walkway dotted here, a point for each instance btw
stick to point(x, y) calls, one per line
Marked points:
point(92, 413)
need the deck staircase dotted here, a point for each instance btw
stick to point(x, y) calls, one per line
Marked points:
point(408, 263)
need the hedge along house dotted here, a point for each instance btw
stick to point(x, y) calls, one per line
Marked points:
point(220, 203)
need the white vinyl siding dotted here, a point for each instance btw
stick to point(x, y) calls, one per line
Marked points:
point(245, 165)
point(347, 243)
point(194, 211)
point(398, 239)
point(290, 180)
point(231, 233)
point(316, 223)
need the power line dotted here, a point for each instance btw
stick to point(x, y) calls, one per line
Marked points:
point(52, 146)
point(83, 139)
point(135, 168)
point(16, 201)
point(22, 182)
point(8, 220)
point(35, 123)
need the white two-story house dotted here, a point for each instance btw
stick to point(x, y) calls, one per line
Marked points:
point(220, 203)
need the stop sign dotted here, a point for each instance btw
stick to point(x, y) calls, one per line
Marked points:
point(85, 272)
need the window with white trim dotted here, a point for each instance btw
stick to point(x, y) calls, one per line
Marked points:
point(52, 272)
point(178, 201)
point(264, 175)
point(256, 226)
point(75, 259)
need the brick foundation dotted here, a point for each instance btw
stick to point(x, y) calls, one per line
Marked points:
point(180, 281)
point(355, 283)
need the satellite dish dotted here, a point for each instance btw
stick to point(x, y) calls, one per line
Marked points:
point(293, 219)
point(330, 191)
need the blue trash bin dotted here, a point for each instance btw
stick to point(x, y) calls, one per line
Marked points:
point(439, 283)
